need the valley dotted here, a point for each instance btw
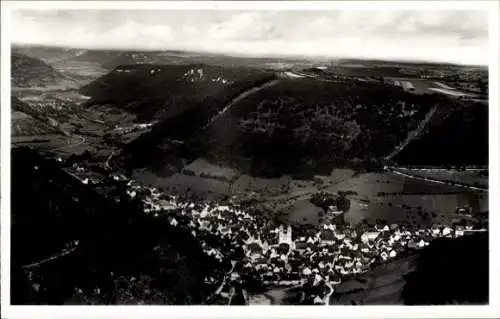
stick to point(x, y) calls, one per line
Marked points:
point(326, 149)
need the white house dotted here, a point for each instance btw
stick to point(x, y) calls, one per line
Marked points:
point(306, 271)
point(447, 231)
point(318, 300)
point(173, 222)
point(369, 236)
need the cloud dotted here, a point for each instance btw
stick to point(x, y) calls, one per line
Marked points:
point(454, 36)
point(149, 36)
point(242, 26)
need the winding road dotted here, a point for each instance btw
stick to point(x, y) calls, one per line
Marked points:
point(327, 297)
point(64, 252)
point(238, 99)
point(430, 180)
point(80, 141)
point(412, 135)
point(223, 282)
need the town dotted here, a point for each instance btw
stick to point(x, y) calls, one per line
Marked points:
point(257, 249)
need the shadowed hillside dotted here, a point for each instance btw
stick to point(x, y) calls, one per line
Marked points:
point(159, 91)
point(299, 126)
point(462, 139)
point(121, 255)
point(449, 271)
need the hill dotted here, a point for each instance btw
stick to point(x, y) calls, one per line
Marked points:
point(28, 121)
point(158, 91)
point(48, 54)
point(102, 248)
point(461, 139)
point(23, 123)
point(299, 126)
point(448, 271)
point(31, 72)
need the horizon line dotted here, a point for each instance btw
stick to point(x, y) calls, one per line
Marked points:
point(249, 55)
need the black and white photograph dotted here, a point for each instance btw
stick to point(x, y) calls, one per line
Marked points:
point(225, 155)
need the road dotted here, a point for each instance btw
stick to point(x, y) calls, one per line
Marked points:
point(430, 180)
point(223, 282)
point(298, 75)
point(412, 135)
point(238, 99)
point(437, 169)
point(327, 297)
point(64, 252)
point(277, 295)
point(80, 141)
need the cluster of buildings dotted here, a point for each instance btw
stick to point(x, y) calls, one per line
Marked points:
point(279, 255)
point(194, 75)
point(282, 255)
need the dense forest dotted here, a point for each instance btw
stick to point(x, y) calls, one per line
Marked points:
point(121, 254)
point(189, 118)
point(154, 92)
point(462, 139)
point(293, 127)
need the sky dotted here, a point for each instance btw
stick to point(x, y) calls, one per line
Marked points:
point(459, 36)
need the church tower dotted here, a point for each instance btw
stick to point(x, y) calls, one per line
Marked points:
point(289, 235)
point(281, 237)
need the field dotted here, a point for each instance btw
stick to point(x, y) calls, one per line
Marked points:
point(398, 199)
point(373, 184)
point(303, 212)
point(44, 142)
point(261, 186)
point(421, 86)
point(373, 196)
point(383, 196)
point(181, 183)
point(201, 167)
point(424, 86)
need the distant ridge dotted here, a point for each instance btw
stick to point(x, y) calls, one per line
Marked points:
point(267, 56)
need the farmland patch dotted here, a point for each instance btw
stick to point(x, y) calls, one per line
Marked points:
point(203, 168)
point(181, 183)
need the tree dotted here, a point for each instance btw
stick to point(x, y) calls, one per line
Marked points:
point(481, 85)
point(343, 203)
